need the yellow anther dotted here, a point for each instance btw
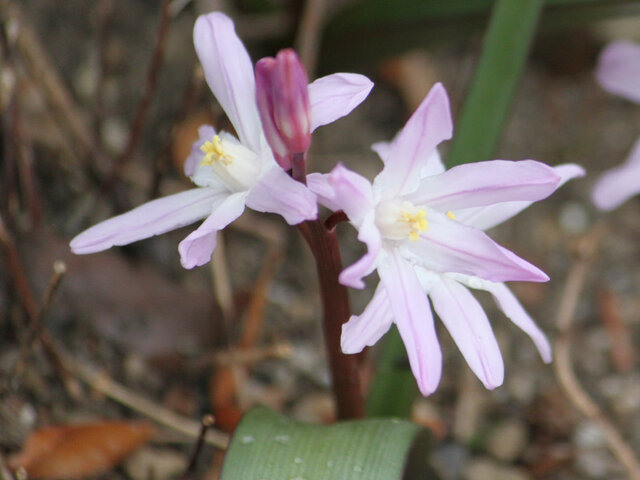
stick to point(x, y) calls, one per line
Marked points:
point(214, 152)
point(417, 222)
point(451, 215)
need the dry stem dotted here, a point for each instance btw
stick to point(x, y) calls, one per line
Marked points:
point(563, 367)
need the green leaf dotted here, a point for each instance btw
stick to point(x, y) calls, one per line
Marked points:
point(268, 446)
point(504, 54)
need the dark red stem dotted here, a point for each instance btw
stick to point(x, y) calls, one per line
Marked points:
point(336, 311)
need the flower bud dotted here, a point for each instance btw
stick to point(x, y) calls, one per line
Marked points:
point(283, 102)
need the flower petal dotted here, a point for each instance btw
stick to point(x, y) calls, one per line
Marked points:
point(618, 70)
point(509, 304)
point(344, 189)
point(277, 192)
point(486, 183)
point(197, 248)
point(152, 218)
point(205, 134)
point(616, 186)
point(414, 145)
point(334, 96)
point(366, 329)
point(229, 73)
point(493, 215)
point(448, 246)
point(469, 326)
point(370, 235)
point(412, 315)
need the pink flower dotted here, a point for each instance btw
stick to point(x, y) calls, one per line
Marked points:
point(422, 227)
point(618, 72)
point(231, 173)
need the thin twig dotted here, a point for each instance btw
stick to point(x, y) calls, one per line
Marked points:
point(103, 384)
point(309, 31)
point(205, 424)
point(563, 367)
point(239, 356)
point(149, 91)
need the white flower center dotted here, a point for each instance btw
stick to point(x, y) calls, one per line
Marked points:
point(230, 162)
point(400, 220)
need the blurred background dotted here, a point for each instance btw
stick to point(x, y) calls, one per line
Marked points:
point(101, 102)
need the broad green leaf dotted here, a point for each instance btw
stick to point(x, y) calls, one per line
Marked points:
point(269, 446)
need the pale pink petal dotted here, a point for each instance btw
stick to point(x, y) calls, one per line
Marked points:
point(336, 95)
point(352, 192)
point(469, 326)
point(277, 192)
point(197, 248)
point(369, 235)
point(383, 149)
point(493, 215)
point(412, 314)
point(449, 246)
point(509, 304)
point(618, 70)
point(414, 145)
point(319, 184)
point(229, 73)
point(366, 329)
point(616, 186)
point(486, 183)
point(343, 189)
point(152, 218)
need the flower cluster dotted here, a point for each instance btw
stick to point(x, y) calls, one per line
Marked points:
point(423, 226)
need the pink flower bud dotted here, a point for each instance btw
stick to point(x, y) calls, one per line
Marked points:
point(283, 103)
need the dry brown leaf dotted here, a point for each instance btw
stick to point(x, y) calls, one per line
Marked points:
point(77, 451)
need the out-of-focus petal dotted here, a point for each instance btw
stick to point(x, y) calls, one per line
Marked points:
point(509, 304)
point(197, 248)
point(336, 95)
point(277, 192)
point(616, 186)
point(618, 70)
point(414, 145)
point(493, 215)
point(469, 326)
point(412, 315)
point(486, 183)
point(152, 218)
point(370, 236)
point(449, 246)
point(366, 329)
point(383, 149)
point(229, 73)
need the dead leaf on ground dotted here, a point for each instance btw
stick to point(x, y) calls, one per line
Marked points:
point(77, 451)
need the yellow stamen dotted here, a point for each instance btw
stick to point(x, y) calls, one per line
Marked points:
point(214, 151)
point(451, 215)
point(417, 222)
